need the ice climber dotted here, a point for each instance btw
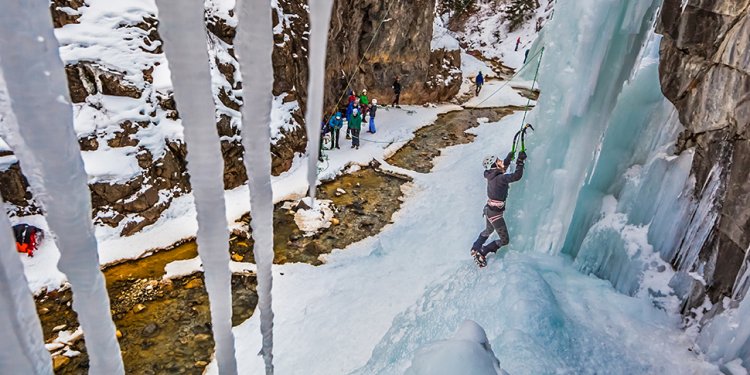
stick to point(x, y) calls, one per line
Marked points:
point(497, 192)
point(355, 125)
point(480, 82)
point(334, 126)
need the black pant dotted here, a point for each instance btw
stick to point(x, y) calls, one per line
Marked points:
point(335, 138)
point(479, 88)
point(494, 221)
point(355, 137)
point(395, 101)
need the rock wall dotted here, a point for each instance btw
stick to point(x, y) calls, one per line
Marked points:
point(400, 46)
point(705, 72)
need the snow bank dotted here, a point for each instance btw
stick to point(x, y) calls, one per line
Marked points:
point(468, 352)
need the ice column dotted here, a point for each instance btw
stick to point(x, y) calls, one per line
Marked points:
point(47, 148)
point(254, 44)
point(185, 44)
point(23, 349)
point(320, 19)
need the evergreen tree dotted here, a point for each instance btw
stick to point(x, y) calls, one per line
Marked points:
point(520, 11)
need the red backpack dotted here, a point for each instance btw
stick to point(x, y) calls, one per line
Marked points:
point(28, 238)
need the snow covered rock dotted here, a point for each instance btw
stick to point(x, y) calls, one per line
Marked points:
point(317, 216)
point(467, 352)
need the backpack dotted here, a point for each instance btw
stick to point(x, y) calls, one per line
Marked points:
point(28, 238)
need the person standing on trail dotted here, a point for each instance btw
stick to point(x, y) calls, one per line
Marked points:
point(480, 82)
point(334, 126)
point(396, 92)
point(355, 125)
point(373, 110)
point(526, 56)
point(351, 96)
point(518, 42)
point(364, 102)
point(497, 192)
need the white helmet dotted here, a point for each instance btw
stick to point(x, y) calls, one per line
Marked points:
point(374, 101)
point(489, 161)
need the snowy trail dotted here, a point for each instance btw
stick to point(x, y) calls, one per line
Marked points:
point(418, 270)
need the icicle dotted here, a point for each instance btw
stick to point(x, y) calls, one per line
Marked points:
point(254, 44)
point(23, 349)
point(46, 146)
point(320, 19)
point(185, 44)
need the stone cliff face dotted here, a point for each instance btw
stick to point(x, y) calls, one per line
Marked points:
point(705, 72)
point(400, 46)
point(124, 107)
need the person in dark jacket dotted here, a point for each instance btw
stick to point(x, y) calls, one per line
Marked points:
point(396, 91)
point(497, 192)
point(334, 126)
point(373, 110)
point(480, 82)
point(355, 125)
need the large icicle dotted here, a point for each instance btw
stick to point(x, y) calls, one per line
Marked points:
point(320, 19)
point(47, 148)
point(185, 44)
point(254, 44)
point(23, 349)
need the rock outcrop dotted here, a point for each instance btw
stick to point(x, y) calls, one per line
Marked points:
point(705, 72)
point(390, 38)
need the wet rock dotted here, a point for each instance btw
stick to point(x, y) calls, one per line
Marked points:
point(138, 308)
point(59, 361)
point(150, 330)
point(194, 283)
point(59, 328)
point(202, 337)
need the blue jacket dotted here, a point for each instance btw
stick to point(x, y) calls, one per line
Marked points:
point(480, 79)
point(335, 123)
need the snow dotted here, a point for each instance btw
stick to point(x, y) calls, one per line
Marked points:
point(183, 31)
point(316, 218)
point(467, 352)
point(370, 306)
point(486, 31)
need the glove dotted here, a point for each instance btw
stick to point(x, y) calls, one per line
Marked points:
point(522, 155)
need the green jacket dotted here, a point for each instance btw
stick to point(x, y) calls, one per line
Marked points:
point(356, 122)
point(364, 100)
